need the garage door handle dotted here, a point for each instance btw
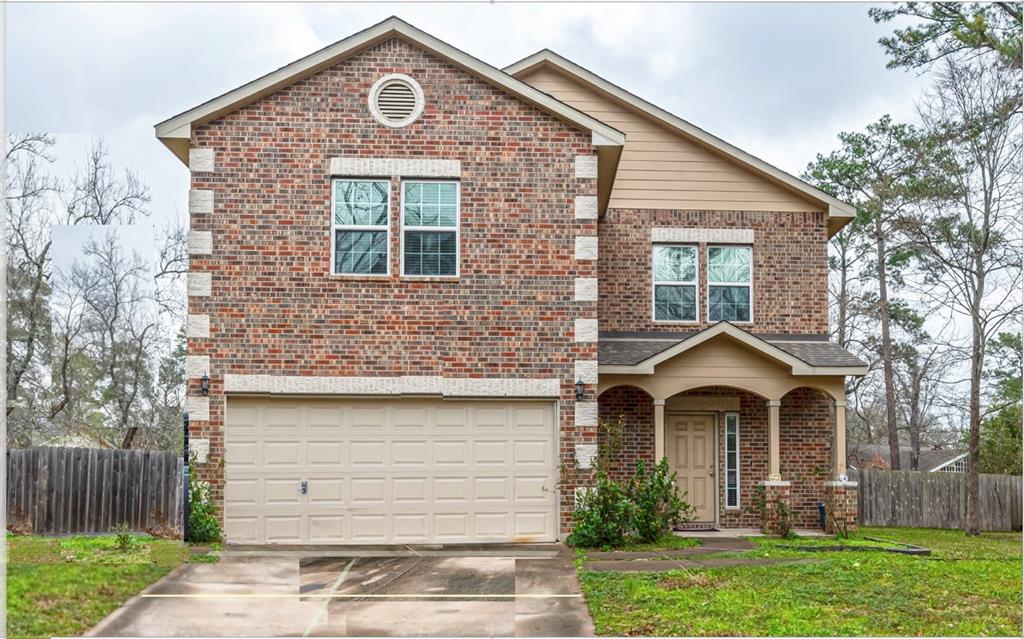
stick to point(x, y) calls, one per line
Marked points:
point(303, 487)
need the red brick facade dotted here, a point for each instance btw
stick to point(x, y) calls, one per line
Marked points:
point(275, 309)
point(631, 409)
point(805, 440)
point(790, 268)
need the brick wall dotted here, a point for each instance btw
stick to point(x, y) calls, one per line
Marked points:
point(275, 309)
point(790, 268)
point(633, 410)
point(805, 436)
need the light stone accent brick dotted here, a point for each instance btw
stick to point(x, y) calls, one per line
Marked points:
point(586, 289)
point(197, 326)
point(377, 167)
point(196, 366)
point(586, 414)
point(586, 207)
point(707, 236)
point(586, 247)
point(200, 201)
point(199, 284)
point(586, 166)
point(585, 455)
point(585, 330)
point(198, 408)
point(401, 385)
point(200, 242)
point(586, 370)
point(200, 160)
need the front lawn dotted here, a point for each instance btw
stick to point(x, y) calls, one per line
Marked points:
point(966, 587)
point(64, 586)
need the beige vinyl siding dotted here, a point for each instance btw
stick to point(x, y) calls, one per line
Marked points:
point(660, 168)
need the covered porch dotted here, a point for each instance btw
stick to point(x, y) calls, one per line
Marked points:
point(755, 434)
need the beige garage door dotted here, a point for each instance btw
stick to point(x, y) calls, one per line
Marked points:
point(389, 471)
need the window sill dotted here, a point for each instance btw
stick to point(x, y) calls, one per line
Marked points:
point(429, 278)
point(376, 277)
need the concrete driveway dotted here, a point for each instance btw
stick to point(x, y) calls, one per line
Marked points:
point(387, 591)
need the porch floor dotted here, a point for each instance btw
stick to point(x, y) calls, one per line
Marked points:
point(746, 532)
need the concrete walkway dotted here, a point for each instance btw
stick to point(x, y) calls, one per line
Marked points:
point(458, 591)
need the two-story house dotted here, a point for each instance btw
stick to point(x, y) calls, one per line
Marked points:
point(419, 283)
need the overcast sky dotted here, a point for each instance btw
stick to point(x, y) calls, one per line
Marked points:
point(778, 80)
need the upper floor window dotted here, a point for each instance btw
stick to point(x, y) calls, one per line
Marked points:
point(430, 228)
point(360, 227)
point(730, 277)
point(675, 283)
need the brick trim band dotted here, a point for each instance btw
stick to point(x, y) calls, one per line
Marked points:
point(386, 167)
point(706, 236)
point(401, 385)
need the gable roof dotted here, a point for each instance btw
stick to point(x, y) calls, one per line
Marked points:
point(839, 212)
point(640, 354)
point(176, 132)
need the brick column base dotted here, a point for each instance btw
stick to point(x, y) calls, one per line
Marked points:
point(840, 507)
point(777, 514)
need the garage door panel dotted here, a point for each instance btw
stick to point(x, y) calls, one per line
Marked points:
point(367, 454)
point(389, 471)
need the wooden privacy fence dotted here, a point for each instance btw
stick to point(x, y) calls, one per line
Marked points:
point(936, 500)
point(91, 490)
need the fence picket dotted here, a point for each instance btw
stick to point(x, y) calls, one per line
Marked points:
point(75, 490)
point(936, 500)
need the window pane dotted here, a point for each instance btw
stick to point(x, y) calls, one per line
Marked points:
point(362, 203)
point(431, 204)
point(430, 253)
point(360, 252)
point(675, 263)
point(732, 473)
point(729, 264)
point(731, 303)
point(675, 303)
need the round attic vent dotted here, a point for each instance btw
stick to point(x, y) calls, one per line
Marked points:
point(396, 100)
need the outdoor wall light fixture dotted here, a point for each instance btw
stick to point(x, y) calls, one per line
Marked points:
point(206, 384)
point(579, 390)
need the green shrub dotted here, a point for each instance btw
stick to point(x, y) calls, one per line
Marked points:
point(123, 537)
point(657, 505)
point(203, 525)
point(602, 514)
point(611, 514)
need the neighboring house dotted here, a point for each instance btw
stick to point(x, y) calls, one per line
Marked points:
point(419, 282)
point(932, 460)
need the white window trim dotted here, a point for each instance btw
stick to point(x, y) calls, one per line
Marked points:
point(749, 285)
point(457, 228)
point(359, 227)
point(695, 283)
point(726, 464)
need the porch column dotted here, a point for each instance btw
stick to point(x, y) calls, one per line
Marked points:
point(774, 472)
point(839, 452)
point(659, 429)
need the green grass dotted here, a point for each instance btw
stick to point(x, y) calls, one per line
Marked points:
point(967, 587)
point(64, 586)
